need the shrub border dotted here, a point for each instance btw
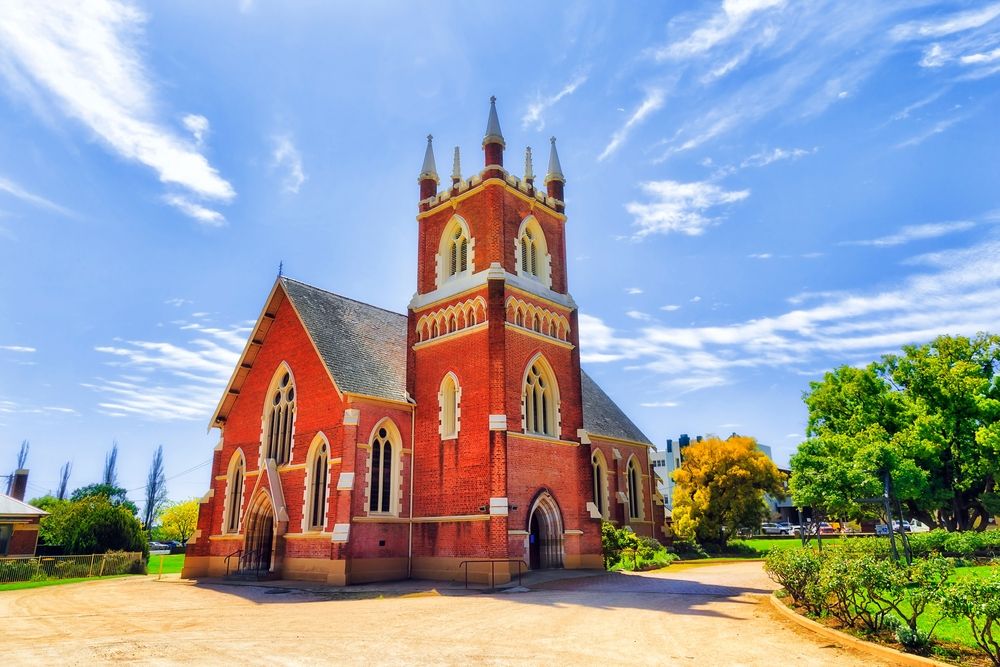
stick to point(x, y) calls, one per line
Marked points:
point(877, 650)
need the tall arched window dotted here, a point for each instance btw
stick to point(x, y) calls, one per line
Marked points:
point(279, 419)
point(384, 467)
point(634, 490)
point(600, 469)
point(449, 398)
point(234, 493)
point(532, 252)
point(540, 400)
point(455, 252)
point(318, 473)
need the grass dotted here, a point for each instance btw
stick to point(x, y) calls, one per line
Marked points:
point(764, 544)
point(172, 564)
point(22, 585)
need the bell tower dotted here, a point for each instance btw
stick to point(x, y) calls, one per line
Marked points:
point(494, 367)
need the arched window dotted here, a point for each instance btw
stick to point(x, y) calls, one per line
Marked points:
point(599, 466)
point(279, 419)
point(449, 398)
point(531, 252)
point(384, 468)
point(455, 254)
point(634, 490)
point(234, 493)
point(317, 484)
point(540, 400)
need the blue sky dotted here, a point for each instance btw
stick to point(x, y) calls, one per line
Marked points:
point(757, 192)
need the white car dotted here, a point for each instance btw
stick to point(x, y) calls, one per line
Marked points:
point(918, 526)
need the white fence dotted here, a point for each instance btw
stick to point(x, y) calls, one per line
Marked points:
point(42, 568)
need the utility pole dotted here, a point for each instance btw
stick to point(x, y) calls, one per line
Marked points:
point(886, 491)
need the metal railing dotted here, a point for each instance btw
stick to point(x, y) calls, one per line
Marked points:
point(42, 568)
point(493, 562)
point(238, 553)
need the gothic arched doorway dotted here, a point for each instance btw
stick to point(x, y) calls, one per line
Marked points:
point(259, 544)
point(545, 533)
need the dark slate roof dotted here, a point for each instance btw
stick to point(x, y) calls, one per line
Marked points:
point(601, 416)
point(364, 347)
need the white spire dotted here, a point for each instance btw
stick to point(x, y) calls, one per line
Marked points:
point(456, 167)
point(529, 173)
point(429, 170)
point(493, 133)
point(555, 169)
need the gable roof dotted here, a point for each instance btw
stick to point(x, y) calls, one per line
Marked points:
point(602, 416)
point(13, 507)
point(363, 346)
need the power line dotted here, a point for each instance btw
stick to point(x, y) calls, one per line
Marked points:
point(183, 472)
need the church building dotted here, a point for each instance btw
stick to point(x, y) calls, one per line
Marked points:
point(359, 444)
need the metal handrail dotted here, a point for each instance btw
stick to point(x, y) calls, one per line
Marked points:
point(238, 553)
point(493, 562)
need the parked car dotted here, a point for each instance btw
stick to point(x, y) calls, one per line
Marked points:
point(882, 529)
point(918, 526)
point(773, 529)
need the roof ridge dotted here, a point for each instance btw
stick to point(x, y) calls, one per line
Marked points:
point(341, 296)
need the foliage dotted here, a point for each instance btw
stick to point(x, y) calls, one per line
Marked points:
point(623, 549)
point(930, 416)
point(92, 524)
point(179, 520)
point(977, 601)
point(965, 544)
point(115, 494)
point(720, 488)
point(156, 490)
point(797, 571)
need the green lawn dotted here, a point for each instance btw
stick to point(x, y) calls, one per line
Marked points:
point(172, 564)
point(764, 544)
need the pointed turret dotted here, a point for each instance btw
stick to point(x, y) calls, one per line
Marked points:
point(428, 177)
point(493, 141)
point(554, 179)
point(529, 172)
point(456, 168)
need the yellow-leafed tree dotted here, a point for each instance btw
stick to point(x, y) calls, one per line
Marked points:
point(179, 520)
point(720, 488)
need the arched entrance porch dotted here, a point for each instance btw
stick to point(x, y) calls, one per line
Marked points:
point(545, 533)
point(258, 548)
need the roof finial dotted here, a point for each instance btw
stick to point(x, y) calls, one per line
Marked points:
point(493, 133)
point(456, 168)
point(429, 170)
point(555, 169)
point(529, 173)
point(281, 268)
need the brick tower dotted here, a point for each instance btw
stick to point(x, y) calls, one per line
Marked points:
point(494, 368)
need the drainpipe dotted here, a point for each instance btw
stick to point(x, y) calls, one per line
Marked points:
point(413, 456)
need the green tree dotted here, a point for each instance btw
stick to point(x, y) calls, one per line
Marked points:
point(92, 524)
point(115, 494)
point(720, 487)
point(179, 520)
point(929, 416)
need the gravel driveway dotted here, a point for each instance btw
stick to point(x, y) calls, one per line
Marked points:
point(704, 616)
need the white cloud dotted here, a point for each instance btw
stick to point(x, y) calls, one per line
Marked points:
point(15, 190)
point(198, 127)
point(760, 255)
point(287, 156)
point(18, 348)
point(651, 103)
point(177, 302)
point(638, 315)
point(720, 28)
point(679, 207)
point(660, 404)
point(534, 116)
point(695, 299)
point(947, 25)
point(910, 233)
point(633, 290)
point(934, 130)
point(202, 214)
point(764, 158)
point(670, 307)
point(980, 58)
point(86, 59)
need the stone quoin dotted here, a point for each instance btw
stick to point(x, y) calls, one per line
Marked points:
point(359, 444)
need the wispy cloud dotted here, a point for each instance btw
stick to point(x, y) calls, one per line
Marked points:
point(202, 214)
point(198, 127)
point(660, 404)
point(534, 115)
point(286, 156)
point(18, 348)
point(717, 29)
point(167, 381)
point(638, 315)
point(679, 207)
point(651, 103)
point(671, 307)
point(934, 130)
point(633, 290)
point(948, 24)
point(910, 233)
point(764, 158)
point(15, 190)
point(86, 59)
point(760, 255)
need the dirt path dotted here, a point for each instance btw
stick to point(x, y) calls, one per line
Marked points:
point(700, 616)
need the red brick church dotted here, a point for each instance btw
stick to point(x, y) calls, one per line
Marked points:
point(359, 444)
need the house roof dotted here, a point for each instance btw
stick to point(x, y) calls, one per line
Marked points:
point(602, 416)
point(363, 347)
point(14, 507)
point(364, 350)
